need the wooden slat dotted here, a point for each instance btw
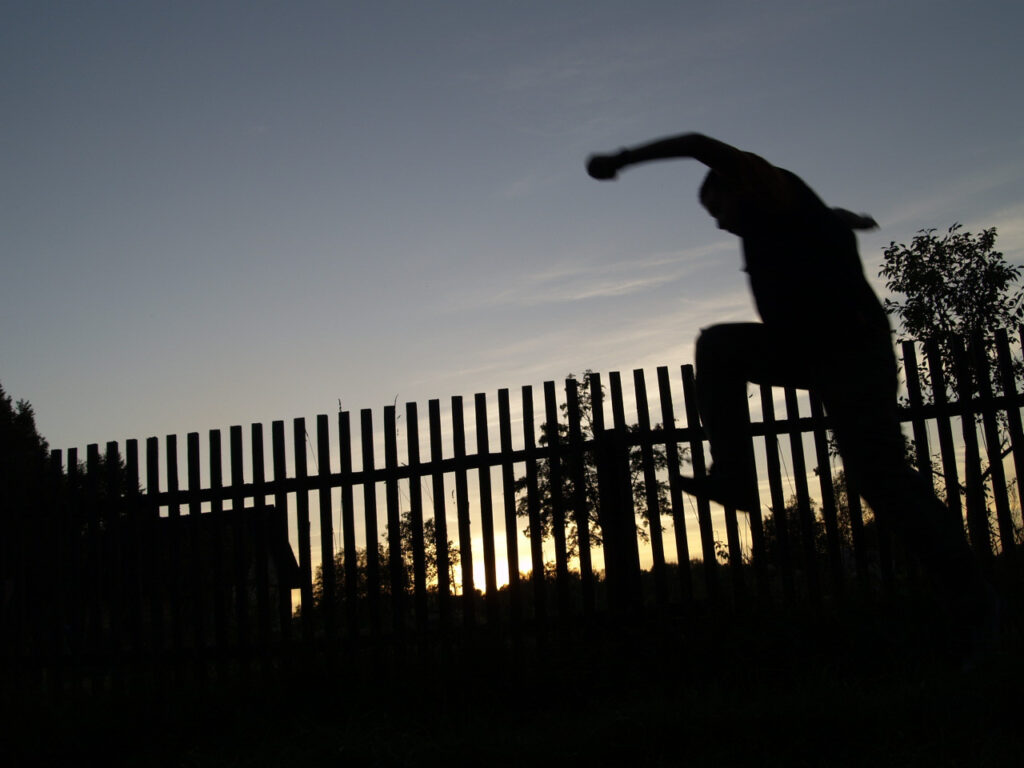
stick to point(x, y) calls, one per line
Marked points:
point(395, 544)
point(462, 511)
point(803, 498)
point(330, 577)
point(133, 544)
point(306, 602)
point(370, 521)
point(557, 499)
point(533, 504)
point(113, 567)
point(262, 536)
point(707, 533)
point(483, 450)
point(196, 559)
point(778, 499)
point(238, 538)
point(977, 515)
point(911, 372)
point(218, 535)
point(1013, 419)
point(154, 545)
point(508, 483)
point(829, 510)
point(626, 514)
point(278, 457)
point(440, 516)
point(419, 569)
point(944, 427)
point(174, 542)
point(348, 525)
point(581, 459)
point(668, 419)
point(651, 488)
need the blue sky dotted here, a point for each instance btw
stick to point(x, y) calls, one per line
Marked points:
point(217, 213)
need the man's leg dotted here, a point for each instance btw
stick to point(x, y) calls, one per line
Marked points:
point(728, 357)
point(866, 424)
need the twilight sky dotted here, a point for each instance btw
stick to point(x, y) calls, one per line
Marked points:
point(217, 213)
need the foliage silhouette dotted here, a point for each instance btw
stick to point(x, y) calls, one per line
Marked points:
point(954, 287)
point(570, 469)
point(430, 547)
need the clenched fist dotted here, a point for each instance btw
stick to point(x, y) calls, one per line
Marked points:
point(604, 167)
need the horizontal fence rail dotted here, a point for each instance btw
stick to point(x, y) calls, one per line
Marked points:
point(556, 508)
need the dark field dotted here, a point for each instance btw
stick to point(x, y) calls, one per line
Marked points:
point(872, 686)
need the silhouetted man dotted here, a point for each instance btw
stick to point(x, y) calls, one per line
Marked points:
point(823, 329)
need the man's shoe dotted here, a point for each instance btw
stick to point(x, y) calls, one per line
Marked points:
point(722, 489)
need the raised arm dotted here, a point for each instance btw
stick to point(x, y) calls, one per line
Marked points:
point(717, 155)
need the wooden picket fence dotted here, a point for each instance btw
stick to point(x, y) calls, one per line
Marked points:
point(213, 571)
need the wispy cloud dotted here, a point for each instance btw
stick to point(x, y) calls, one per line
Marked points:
point(574, 281)
point(953, 196)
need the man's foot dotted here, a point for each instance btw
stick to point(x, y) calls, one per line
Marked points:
point(722, 489)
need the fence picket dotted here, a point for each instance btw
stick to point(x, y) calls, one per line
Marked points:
point(651, 487)
point(533, 503)
point(508, 493)
point(284, 603)
point(943, 423)
point(977, 515)
point(440, 517)
point(778, 500)
point(396, 565)
point(195, 559)
point(370, 521)
point(486, 510)
point(419, 565)
point(557, 499)
point(829, 507)
point(668, 419)
point(803, 498)
point(580, 502)
point(707, 533)
point(462, 513)
point(348, 525)
point(1013, 418)
point(217, 536)
point(239, 545)
point(174, 542)
point(327, 569)
point(261, 533)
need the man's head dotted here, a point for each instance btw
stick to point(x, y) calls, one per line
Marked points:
point(725, 202)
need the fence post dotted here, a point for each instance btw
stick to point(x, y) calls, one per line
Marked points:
point(533, 509)
point(651, 487)
point(672, 457)
point(580, 503)
point(556, 470)
point(511, 523)
point(618, 523)
point(486, 510)
point(977, 517)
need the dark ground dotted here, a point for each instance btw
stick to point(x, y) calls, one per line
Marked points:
point(875, 686)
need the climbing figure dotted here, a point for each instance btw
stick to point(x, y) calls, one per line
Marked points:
point(822, 329)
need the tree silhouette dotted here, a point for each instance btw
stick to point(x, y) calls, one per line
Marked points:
point(954, 287)
point(570, 468)
point(430, 551)
point(957, 289)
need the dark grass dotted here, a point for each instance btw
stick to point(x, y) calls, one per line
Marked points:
point(872, 685)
